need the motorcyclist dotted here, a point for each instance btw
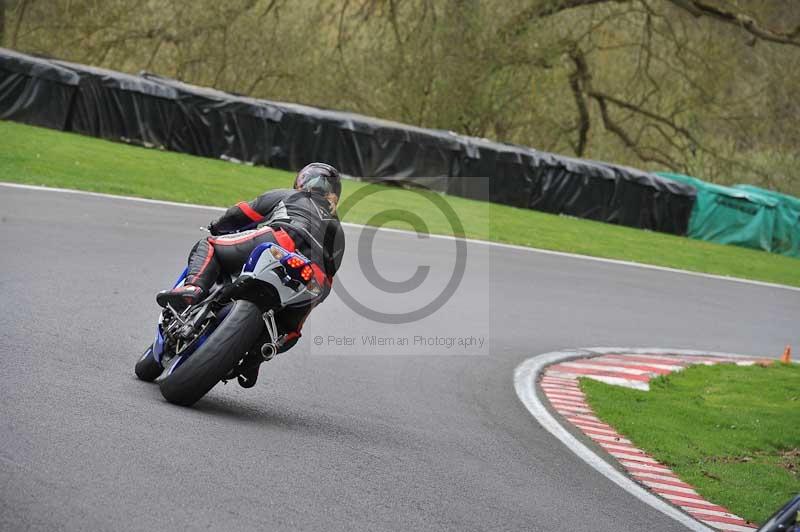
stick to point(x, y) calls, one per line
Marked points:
point(302, 218)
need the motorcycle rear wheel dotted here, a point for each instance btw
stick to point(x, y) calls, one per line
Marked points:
point(213, 360)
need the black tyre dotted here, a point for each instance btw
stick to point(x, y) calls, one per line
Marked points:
point(216, 357)
point(147, 369)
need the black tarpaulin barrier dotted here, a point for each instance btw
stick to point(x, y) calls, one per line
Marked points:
point(212, 123)
point(307, 134)
point(574, 187)
point(390, 149)
point(289, 136)
point(613, 194)
point(645, 200)
point(159, 111)
point(524, 177)
point(117, 106)
point(510, 171)
point(35, 91)
point(361, 146)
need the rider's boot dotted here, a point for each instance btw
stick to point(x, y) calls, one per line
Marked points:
point(180, 297)
point(248, 377)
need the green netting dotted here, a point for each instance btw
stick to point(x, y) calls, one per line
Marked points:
point(786, 234)
point(735, 216)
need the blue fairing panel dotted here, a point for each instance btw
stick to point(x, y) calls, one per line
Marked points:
point(182, 277)
point(158, 345)
point(255, 255)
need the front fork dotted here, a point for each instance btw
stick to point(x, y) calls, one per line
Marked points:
point(158, 342)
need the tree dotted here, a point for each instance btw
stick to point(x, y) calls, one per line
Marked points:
point(705, 87)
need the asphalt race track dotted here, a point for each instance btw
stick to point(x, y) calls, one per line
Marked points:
point(334, 437)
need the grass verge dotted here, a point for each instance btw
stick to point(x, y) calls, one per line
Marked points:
point(732, 432)
point(45, 157)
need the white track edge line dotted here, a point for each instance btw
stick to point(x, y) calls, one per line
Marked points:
point(525, 377)
point(443, 237)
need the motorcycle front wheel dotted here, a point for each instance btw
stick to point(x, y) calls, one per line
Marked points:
point(147, 369)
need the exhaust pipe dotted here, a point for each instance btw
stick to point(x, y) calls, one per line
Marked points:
point(268, 351)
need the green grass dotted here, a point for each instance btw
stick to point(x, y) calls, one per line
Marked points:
point(45, 157)
point(733, 432)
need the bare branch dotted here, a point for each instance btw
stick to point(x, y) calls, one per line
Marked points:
point(579, 81)
point(699, 8)
point(340, 33)
point(520, 22)
point(613, 127)
point(153, 55)
point(644, 112)
point(20, 16)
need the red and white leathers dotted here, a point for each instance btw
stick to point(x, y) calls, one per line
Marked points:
point(293, 219)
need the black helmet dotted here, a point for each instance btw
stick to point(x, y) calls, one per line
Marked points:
point(319, 177)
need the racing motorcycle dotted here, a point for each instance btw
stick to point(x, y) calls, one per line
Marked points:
point(232, 329)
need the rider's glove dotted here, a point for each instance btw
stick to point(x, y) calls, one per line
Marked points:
point(213, 229)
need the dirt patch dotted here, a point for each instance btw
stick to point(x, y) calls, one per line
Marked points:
point(788, 460)
point(734, 459)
